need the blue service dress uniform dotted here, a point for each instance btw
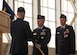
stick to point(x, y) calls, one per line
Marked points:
point(42, 37)
point(20, 32)
point(65, 40)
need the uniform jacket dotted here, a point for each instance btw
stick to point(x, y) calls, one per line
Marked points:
point(65, 40)
point(20, 32)
point(42, 37)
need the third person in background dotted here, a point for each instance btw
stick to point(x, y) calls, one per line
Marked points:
point(65, 38)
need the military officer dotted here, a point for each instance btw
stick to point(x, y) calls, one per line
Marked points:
point(65, 38)
point(42, 36)
point(20, 32)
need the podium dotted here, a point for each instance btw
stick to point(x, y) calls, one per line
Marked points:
point(4, 27)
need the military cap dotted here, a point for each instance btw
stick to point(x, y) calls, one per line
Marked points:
point(63, 16)
point(40, 17)
point(21, 9)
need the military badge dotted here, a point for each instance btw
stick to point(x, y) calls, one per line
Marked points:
point(42, 37)
point(67, 30)
point(66, 33)
point(65, 36)
point(58, 32)
point(35, 34)
point(39, 16)
point(42, 33)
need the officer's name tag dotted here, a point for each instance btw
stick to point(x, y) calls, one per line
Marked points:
point(58, 32)
point(42, 33)
point(34, 33)
point(42, 37)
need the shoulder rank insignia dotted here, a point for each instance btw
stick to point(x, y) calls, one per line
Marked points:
point(35, 33)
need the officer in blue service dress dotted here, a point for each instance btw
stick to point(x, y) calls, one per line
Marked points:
point(42, 36)
point(20, 32)
point(65, 38)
